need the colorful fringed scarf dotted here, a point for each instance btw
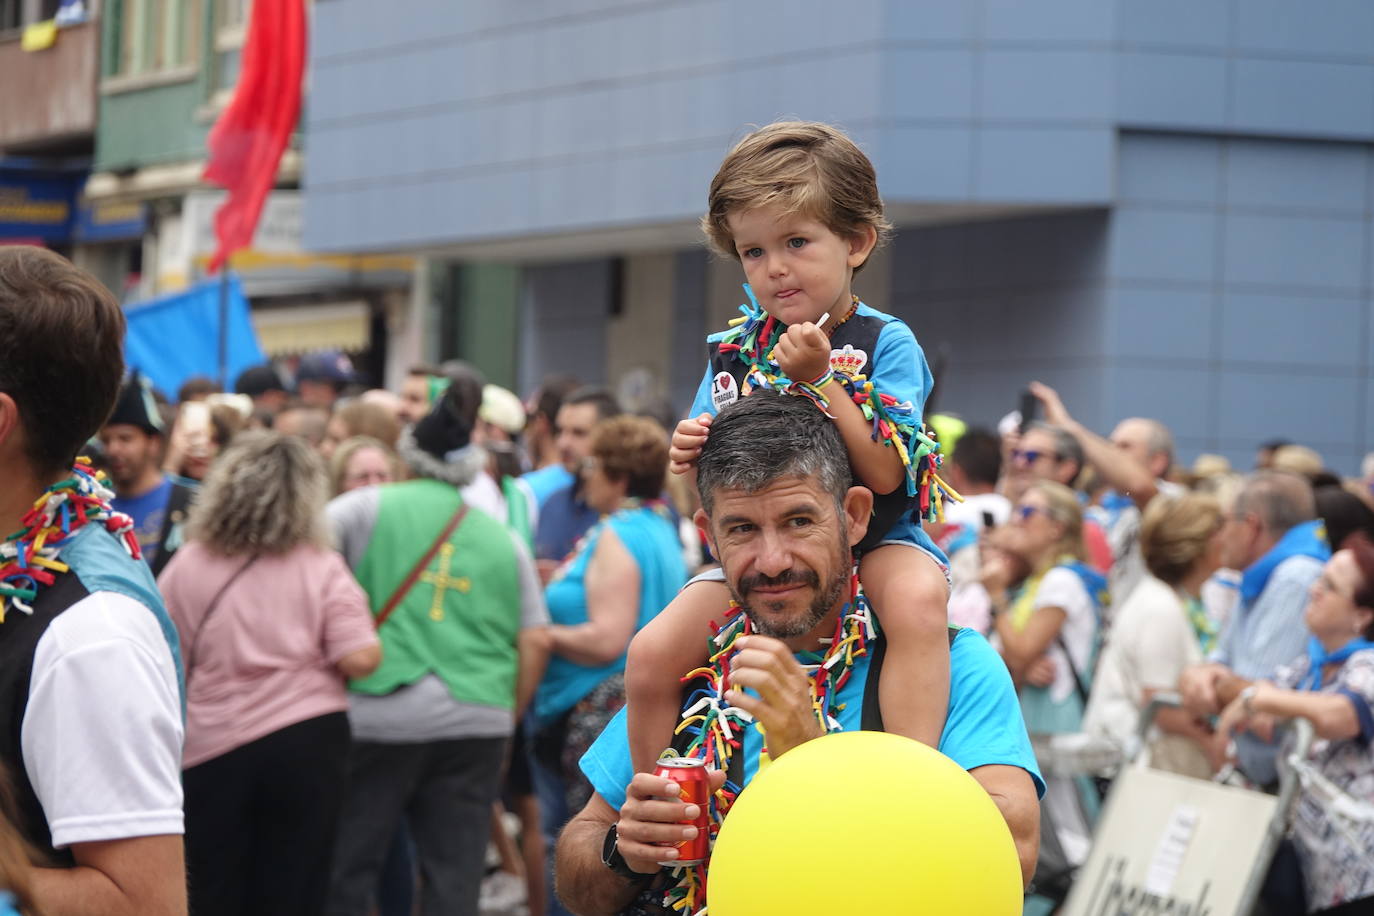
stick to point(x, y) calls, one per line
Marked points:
point(1204, 628)
point(716, 728)
point(29, 557)
point(752, 338)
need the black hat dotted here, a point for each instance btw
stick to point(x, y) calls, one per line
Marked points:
point(256, 381)
point(136, 406)
point(446, 428)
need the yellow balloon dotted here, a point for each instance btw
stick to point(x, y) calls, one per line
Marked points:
point(864, 823)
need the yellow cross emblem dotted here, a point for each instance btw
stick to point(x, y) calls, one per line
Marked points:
point(442, 582)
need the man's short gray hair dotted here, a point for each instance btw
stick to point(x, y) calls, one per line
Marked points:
point(1158, 439)
point(1282, 500)
point(765, 437)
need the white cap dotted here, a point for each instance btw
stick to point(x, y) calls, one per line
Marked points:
point(501, 408)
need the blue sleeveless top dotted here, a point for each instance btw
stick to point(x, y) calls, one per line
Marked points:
point(652, 541)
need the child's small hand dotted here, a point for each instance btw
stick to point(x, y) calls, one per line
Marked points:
point(688, 439)
point(803, 352)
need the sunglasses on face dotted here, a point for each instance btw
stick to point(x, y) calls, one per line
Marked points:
point(1024, 513)
point(1030, 456)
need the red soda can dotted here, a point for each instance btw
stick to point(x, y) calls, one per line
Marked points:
point(694, 787)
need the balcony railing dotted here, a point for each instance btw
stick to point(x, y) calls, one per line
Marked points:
point(49, 96)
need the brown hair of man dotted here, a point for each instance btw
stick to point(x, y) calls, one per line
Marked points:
point(61, 352)
point(197, 388)
point(802, 167)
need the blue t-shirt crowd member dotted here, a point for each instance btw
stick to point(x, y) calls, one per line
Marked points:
point(563, 515)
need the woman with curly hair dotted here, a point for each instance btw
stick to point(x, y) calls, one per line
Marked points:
point(271, 623)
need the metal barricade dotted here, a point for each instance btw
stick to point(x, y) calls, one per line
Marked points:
point(1166, 843)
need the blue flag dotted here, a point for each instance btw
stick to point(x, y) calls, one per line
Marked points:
point(174, 337)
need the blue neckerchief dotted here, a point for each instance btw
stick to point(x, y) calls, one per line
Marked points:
point(1114, 503)
point(1305, 540)
point(1318, 658)
point(1093, 581)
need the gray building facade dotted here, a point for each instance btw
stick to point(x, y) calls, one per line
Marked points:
point(1161, 207)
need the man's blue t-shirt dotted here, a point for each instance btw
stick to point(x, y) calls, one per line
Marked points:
point(563, 519)
point(546, 481)
point(148, 511)
point(982, 727)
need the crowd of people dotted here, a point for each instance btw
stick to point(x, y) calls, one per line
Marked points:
point(1247, 594)
point(345, 638)
point(328, 709)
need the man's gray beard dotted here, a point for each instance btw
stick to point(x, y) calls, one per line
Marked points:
point(784, 628)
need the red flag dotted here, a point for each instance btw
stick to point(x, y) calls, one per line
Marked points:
point(247, 141)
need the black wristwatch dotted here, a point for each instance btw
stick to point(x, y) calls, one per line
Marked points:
point(612, 859)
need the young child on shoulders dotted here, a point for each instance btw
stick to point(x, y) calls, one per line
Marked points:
point(797, 205)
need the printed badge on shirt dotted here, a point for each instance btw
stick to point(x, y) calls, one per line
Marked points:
point(724, 390)
point(848, 361)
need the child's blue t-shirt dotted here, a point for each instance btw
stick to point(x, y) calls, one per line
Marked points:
point(896, 367)
point(983, 724)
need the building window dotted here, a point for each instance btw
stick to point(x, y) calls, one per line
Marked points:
point(231, 21)
point(153, 36)
point(11, 15)
point(232, 14)
point(15, 14)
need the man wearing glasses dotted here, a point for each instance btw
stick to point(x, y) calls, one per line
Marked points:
point(1133, 463)
point(1274, 535)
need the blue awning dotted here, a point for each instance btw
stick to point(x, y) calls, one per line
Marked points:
point(174, 337)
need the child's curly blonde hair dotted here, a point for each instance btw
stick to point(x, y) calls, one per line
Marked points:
point(803, 167)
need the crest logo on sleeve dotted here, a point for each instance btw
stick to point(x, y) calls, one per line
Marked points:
point(848, 361)
point(724, 390)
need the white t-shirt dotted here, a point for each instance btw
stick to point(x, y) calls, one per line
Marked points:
point(102, 731)
point(1150, 644)
point(1062, 588)
point(486, 494)
point(1123, 534)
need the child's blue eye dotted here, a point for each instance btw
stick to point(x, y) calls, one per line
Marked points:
point(753, 252)
point(795, 243)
